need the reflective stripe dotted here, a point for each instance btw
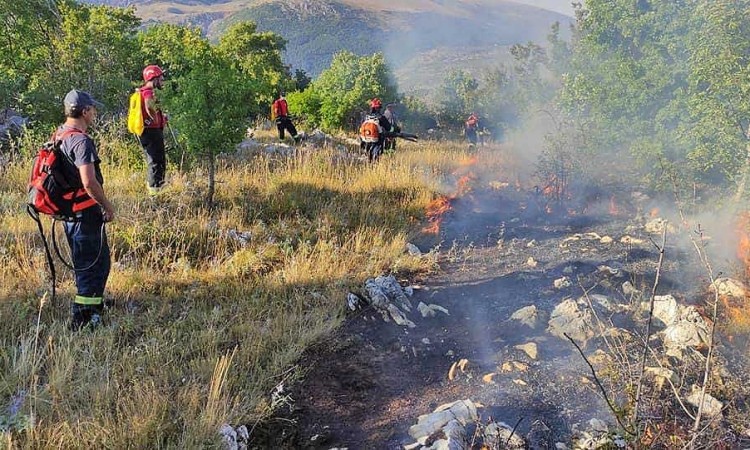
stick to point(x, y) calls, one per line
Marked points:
point(81, 300)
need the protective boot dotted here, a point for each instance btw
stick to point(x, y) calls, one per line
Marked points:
point(83, 316)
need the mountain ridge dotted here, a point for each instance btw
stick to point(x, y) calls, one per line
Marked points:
point(470, 33)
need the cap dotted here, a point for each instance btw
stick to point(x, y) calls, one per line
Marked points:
point(77, 100)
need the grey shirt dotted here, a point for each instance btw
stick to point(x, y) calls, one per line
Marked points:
point(79, 150)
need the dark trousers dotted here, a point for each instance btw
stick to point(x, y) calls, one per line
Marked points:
point(152, 141)
point(285, 123)
point(89, 252)
point(373, 149)
point(471, 135)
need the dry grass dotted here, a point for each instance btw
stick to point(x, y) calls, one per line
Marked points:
point(202, 325)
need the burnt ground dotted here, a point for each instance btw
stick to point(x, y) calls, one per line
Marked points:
point(367, 384)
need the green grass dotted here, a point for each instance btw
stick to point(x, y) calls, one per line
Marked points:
point(202, 326)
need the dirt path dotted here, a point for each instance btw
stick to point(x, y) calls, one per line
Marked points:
point(371, 381)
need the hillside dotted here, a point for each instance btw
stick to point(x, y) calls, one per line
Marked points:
point(420, 38)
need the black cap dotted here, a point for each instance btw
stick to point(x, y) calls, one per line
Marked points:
point(78, 100)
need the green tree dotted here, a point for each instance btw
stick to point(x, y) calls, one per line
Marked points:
point(459, 96)
point(258, 56)
point(26, 43)
point(718, 88)
point(54, 46)
point(628, 76)
point(343, 90)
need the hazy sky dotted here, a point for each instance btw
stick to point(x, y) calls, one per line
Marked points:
point(561, 6)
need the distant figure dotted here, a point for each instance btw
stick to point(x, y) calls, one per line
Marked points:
point(390, 114)
point(471, 127)
point(154, 121)
point(280, 113)
point(372, 131)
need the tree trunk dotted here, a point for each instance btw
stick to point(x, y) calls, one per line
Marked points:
point(211, 180)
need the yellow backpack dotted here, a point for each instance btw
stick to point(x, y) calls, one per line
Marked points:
point(135, 114)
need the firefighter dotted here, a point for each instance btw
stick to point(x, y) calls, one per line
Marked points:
point(390, 114)
point(152, 139)
point(86, 235)
point(280, 113)
point(470, 129)
point(372, 131)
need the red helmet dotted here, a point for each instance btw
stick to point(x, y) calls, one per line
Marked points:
point(376, 103)
point(151, 72)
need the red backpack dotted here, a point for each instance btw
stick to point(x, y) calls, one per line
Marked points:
point(51, 191)
point(370, 130)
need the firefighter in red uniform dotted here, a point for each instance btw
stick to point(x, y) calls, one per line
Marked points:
point(280, 112)
point(471, 127)
point(154, 121)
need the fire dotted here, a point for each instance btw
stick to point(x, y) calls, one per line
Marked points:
point(435, 211)
point(441, 205)
point(466, 162)
point(463, 186)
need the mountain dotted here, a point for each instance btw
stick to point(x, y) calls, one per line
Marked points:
point(420, 38)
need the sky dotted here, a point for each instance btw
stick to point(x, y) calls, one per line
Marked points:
point(561, 6)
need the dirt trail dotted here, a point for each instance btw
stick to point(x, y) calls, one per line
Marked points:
point(370, 382)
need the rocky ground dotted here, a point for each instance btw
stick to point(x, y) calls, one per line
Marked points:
point(483, 340)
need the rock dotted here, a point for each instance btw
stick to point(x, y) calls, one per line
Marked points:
point(691, 330)
point(501, 435)
point(409, 291)
point(528, 315)
point(229, 437)
point(606, 240)
point(539, 436)
point(241, 237)
point(609, 270)
point(629, 240)
point(352, 301)
point(729, 287)
point(665, 309)
point(529, 348)
point(426, 341)
point(569, 270)
point(562, 283)
point(461, 364)
point(387, 296)
point(520, 382)
point(711, 406)
point(568, 318)
point(454, 437)
point(598, 425)
point(413, 250)
point(603, 301)
point(531, 262)
point(629, 289)
point(661, 375)
point(657, 226)
point(462, 411)
point(318, 137)
point(431, 310)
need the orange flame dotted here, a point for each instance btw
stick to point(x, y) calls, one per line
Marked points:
point(441, 205)
point(435, 211)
